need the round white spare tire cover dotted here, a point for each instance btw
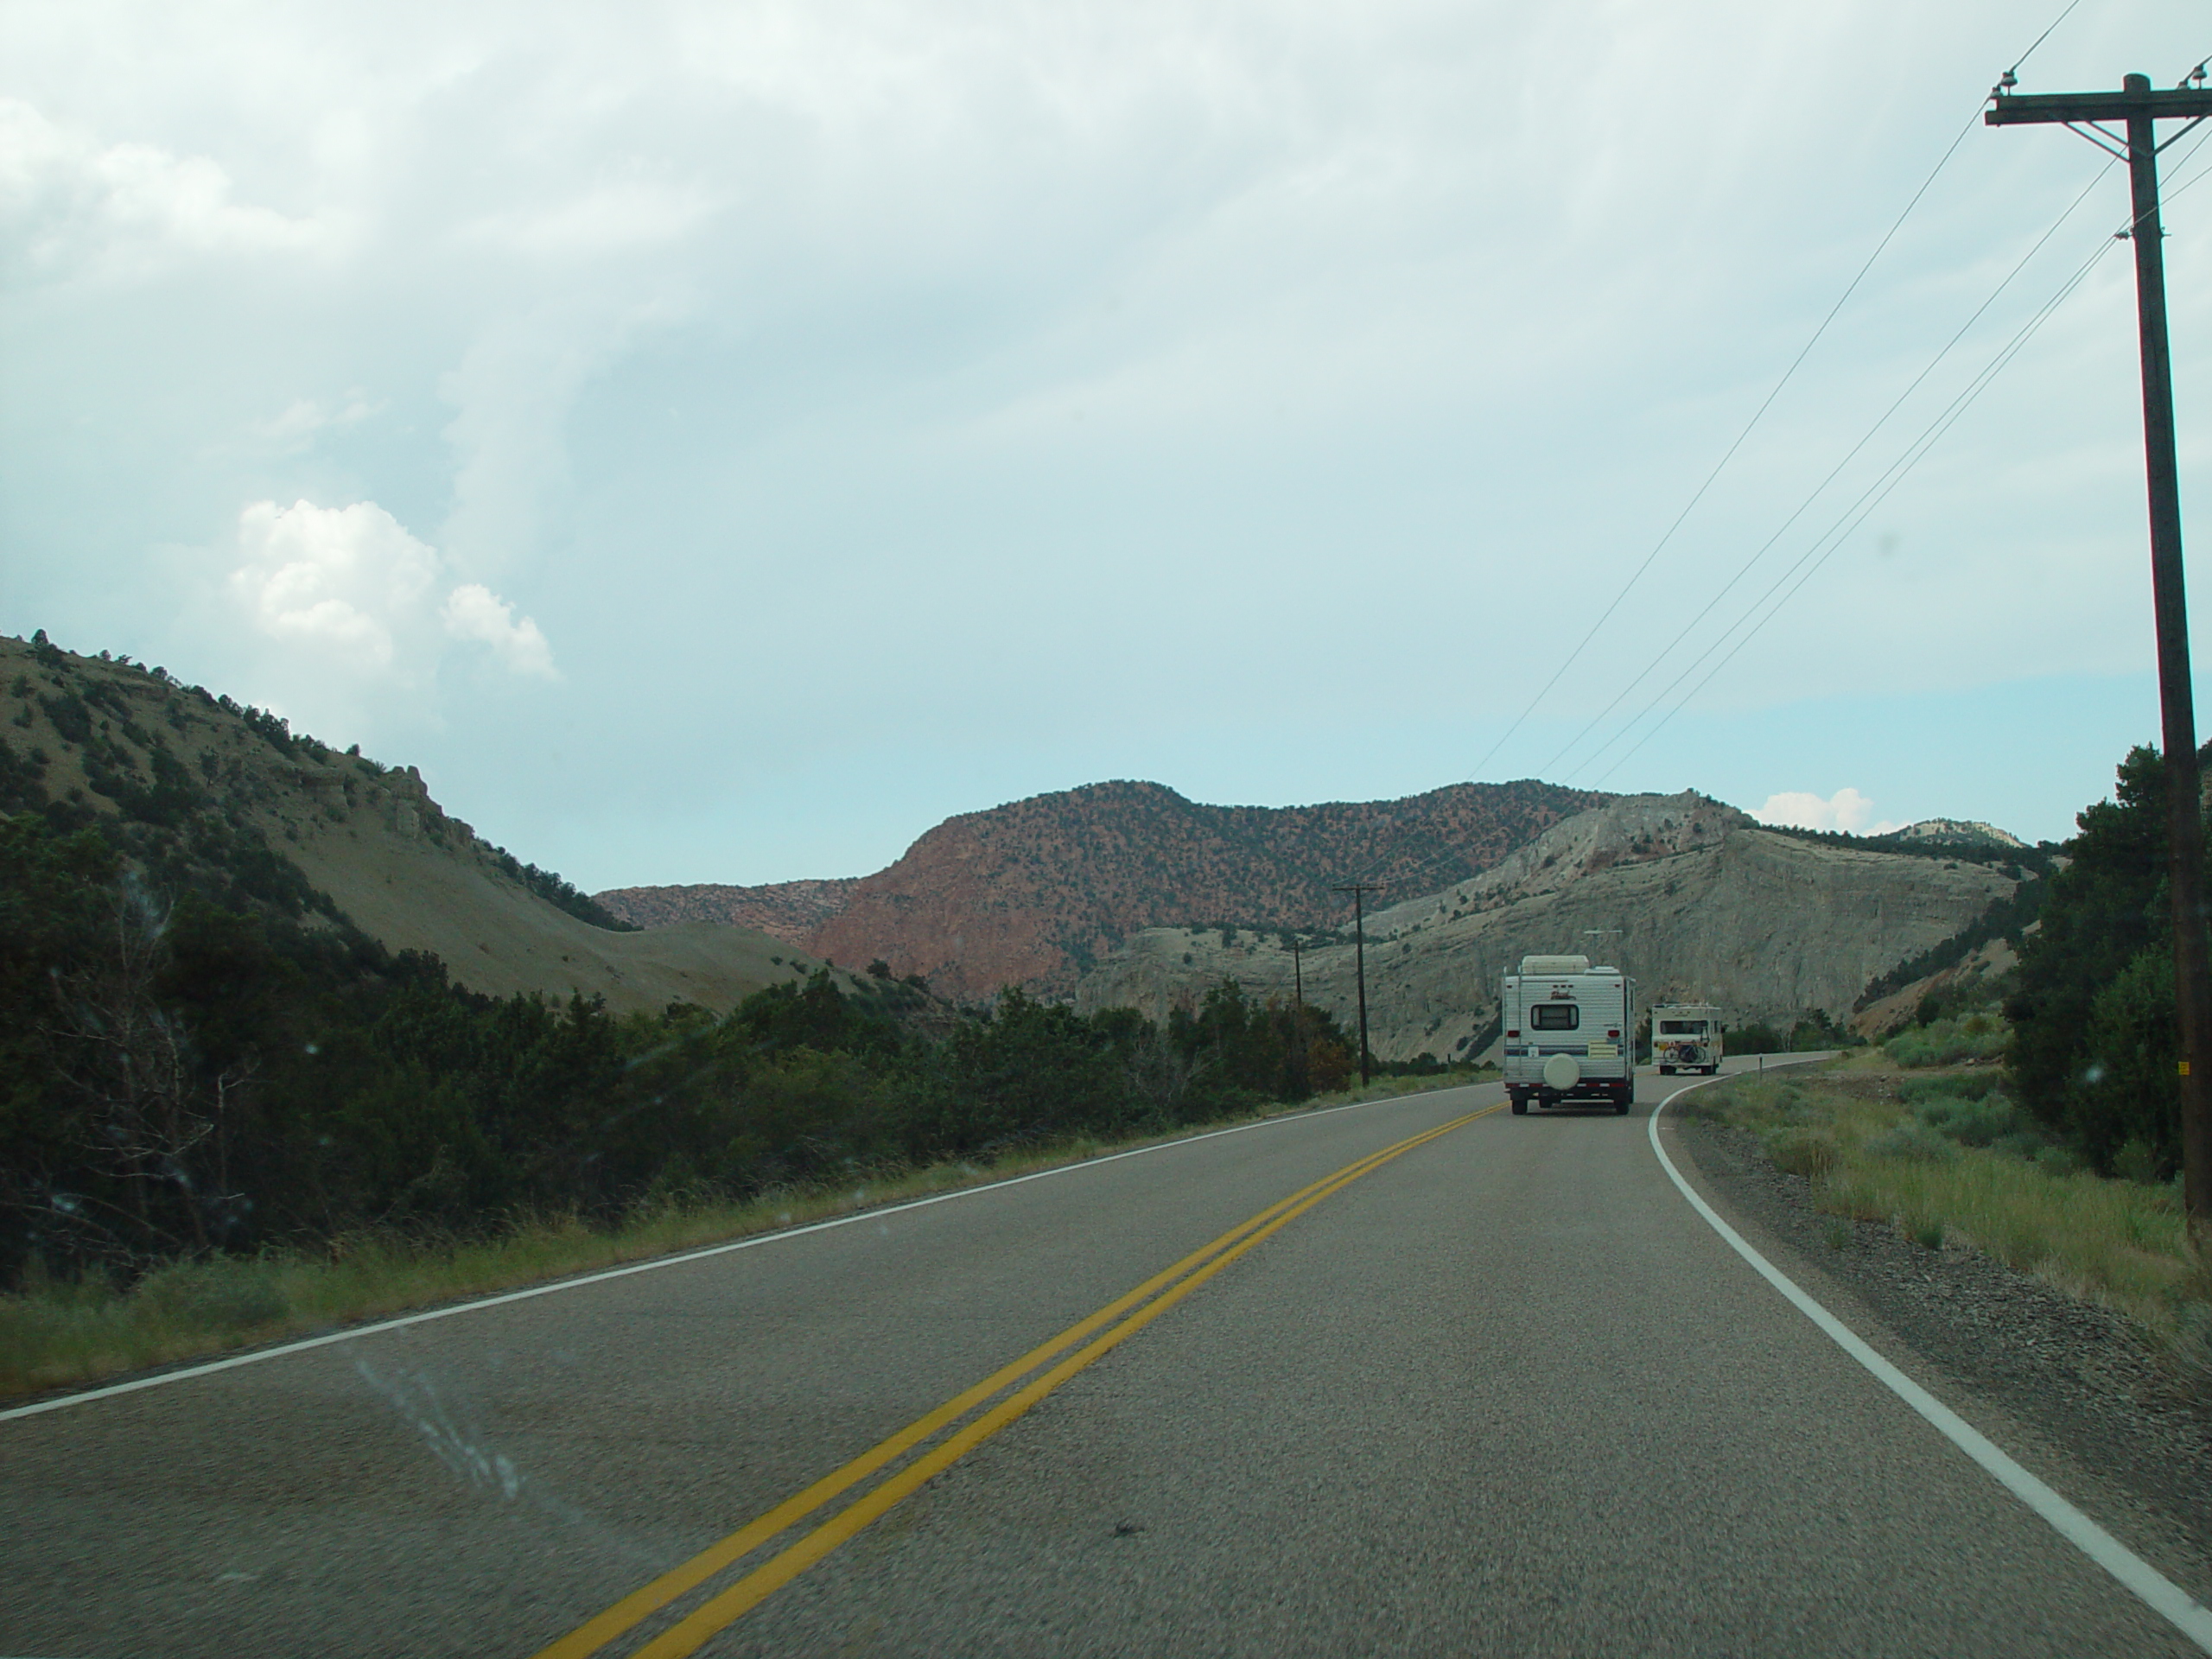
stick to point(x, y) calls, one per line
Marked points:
point(1561, 1071)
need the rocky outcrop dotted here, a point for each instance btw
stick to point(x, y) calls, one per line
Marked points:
point(1955, 832)
point(790, 911)
point(1689, 895)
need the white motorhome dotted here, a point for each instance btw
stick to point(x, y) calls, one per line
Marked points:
point(1569, 1033)
point(1686, 1037)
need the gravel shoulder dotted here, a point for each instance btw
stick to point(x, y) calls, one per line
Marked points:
point(2070, 1388)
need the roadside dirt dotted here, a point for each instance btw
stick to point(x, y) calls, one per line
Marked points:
point(2081, 1378)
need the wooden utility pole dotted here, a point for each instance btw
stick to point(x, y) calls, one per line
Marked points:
point(1359, 890)
point(2141, 108)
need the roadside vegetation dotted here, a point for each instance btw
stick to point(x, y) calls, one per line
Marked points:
point(1944, 1155)
point(55, 1332)
point(2034, 1114)
point(226, 1115)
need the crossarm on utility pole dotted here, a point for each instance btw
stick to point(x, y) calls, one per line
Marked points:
point(2028, 109)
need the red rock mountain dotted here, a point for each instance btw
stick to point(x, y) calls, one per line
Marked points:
point(1030, 893)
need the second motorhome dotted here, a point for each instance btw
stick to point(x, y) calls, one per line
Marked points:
point(1569, 1033)
point(1686, 1037)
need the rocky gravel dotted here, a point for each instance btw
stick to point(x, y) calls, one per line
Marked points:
point(2083, 1377)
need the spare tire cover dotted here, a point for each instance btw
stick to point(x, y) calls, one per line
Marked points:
point(1563, 1071)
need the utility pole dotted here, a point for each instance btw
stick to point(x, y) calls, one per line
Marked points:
point(1298, 1042)
point(2141, 108)
point(1359, 890)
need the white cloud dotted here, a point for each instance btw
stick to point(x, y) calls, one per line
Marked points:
point(355, 586)
point(67, 201)
point(295, 429)
point(1846, 810)
point(346, 579)
point(474, 612)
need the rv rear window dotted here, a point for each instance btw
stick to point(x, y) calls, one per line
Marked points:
point(1682, 1027)
point(1555, 1016)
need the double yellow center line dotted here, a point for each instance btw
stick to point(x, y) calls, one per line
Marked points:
point(1089, 1338)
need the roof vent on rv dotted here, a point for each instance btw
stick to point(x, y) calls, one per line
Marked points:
point(1541, 967)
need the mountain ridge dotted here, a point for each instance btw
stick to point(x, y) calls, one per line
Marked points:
point(1033, 891)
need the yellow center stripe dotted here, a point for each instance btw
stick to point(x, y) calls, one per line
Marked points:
point(1167, 1287)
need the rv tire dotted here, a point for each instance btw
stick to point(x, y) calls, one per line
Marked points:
point(1519, 1105)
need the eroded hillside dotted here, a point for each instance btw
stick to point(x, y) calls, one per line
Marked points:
point(1689, 895)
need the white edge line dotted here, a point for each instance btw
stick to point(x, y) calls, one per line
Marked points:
point(354, 1332)
point(2151, 1587)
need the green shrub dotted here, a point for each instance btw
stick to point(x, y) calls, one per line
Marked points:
point(1912, 1143)
point(1950, 1042)
point(2137, 1161)
point(1971, 1122)
point(1970, 1085)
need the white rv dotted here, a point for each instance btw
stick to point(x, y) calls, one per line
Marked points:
point(1569, 1033)
point(1686, 1037)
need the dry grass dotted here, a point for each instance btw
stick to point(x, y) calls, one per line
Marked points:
point(1872, 1156)
point(56, 1335)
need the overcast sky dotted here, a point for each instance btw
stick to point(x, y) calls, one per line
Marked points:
point(717, 441)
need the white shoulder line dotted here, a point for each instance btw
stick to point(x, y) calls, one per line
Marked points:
point(2156, 1591)
point(353, 1333)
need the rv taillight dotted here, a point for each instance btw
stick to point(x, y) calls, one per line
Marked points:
point(1612, 1034)
point(1513, 1034)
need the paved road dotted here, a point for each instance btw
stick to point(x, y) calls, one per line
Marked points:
point(1506, 1394)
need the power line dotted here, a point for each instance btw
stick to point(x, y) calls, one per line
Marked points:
point(1838, 533)
point(1759, 414)
point(1880, 491)
point(1376, 865)
point(2041, 38)
point(1829, 542)
point(1804, 506)
point(1407, 879)
point(1727, 456)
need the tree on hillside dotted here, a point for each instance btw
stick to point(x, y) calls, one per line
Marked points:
point(2093, 1045)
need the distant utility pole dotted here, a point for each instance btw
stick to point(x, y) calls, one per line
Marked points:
point(2141, 108)
point(1298, 1015)
point(1359, 890)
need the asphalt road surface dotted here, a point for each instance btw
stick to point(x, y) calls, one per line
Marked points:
point(1505, 1392)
